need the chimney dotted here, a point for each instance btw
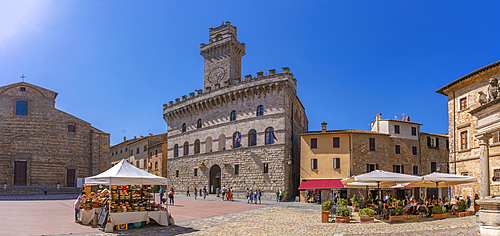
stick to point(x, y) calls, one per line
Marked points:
point(379, 116)
point(142, 136)
point(150, 134)
point(323, 127)
point(135, 137)
point(124, 139)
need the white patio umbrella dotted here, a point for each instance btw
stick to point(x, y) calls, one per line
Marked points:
point(442, 180)
point(384, 178)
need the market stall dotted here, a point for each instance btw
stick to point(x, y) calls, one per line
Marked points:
point(131, 195)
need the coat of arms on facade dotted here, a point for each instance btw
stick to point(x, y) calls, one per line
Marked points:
point(493, 92)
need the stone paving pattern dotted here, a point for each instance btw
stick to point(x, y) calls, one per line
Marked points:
point(284, 221)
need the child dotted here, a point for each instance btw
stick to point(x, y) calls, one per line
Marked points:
point(195, 193)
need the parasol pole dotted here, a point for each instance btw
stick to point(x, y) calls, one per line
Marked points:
point(379, 197)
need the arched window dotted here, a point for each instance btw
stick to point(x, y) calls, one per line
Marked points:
point(222, 142)
point(252, 138)
point(156, 165)
point(186, 148)
point(197, 146)
point(233, 116)
point(260, 110)
point(184, 127)
point(208, 145)
point(270, 135)
point(199, 124)
point(236, 140)
point(176, 150)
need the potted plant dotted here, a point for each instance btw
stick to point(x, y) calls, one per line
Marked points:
point(343, 215)
point(396, 215)
point(462, 208)
point(366, 215)
point(439, 212)
point(356, 207)
point(325, 210)
point(354, 199)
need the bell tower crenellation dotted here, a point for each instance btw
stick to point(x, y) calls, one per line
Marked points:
point(222, 57)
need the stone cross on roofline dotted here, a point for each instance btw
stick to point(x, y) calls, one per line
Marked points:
point(22, 77)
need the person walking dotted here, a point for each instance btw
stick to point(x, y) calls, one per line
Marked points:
point(281, 195)
point(259, 195)
point(45, 190)
point(204, 192)
point(231, 191)
point(162, 192)
point(255, 196)
point(251, 196)
point(171, 196)
point(277, 195)
point(77, 205)
point(187, 192)
point(195, 193)
point(248, 195)
point(223, 192)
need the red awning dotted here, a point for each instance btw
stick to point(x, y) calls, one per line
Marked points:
point(320, 184)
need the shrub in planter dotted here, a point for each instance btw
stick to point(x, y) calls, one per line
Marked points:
point(439, 212)
point(366, 215)
point(462, 206)
point(342, 212)
point(354, 200)
point(396, 215)
point(325, 210)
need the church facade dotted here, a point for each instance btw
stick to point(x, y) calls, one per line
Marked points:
point(43, 146)
point(239, 133)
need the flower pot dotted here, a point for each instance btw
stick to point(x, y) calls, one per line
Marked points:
point(356, 209)
point(463, 214)
point(324, 216)
point(439, 216)
point(476, 208)
point(397, 219)
point(367, 219)
point(342, 219)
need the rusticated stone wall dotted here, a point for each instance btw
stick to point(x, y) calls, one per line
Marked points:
point(42, 139)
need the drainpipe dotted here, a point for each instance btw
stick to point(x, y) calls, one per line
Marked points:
point(454, 139)
point(350, 157)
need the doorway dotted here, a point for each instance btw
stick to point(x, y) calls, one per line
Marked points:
point(432, 193)
point(20, 169)
point(70, 178)
point(214, 178)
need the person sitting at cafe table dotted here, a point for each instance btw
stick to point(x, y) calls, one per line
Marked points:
point(364, 204)
point(423, 208)
point(408, 207)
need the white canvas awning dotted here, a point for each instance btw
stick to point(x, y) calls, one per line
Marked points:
point(383, 178)
point(125, 173)
point(442, 180)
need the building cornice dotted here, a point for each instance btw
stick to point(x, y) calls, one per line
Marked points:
point(466, 77)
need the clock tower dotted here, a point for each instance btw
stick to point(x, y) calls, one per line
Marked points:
point(222, 57)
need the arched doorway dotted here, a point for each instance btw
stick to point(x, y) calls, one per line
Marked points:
point(214, 179)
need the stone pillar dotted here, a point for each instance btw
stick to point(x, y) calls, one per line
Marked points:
point(484, 155)
point(489, 216)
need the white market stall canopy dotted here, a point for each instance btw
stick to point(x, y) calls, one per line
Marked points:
point(125, 173)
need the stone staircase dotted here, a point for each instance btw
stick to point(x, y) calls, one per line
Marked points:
point(24, 191)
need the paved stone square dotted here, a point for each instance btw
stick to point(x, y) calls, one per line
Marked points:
point(214, 217)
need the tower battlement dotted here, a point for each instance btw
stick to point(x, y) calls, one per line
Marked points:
point(233, 85)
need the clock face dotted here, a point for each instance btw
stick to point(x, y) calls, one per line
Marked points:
point(216, 75)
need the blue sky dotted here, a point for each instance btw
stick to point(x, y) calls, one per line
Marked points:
point(114, 63)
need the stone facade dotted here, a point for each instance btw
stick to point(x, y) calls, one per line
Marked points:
point(463, 97)
point(141, 151)
point(41, 145)
point(356, 157)
point(207, 124)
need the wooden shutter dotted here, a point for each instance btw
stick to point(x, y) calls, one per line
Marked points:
point(428, 141)
point(376, 166)
point(437, 142)
point(402, 169)
point(367, 168)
